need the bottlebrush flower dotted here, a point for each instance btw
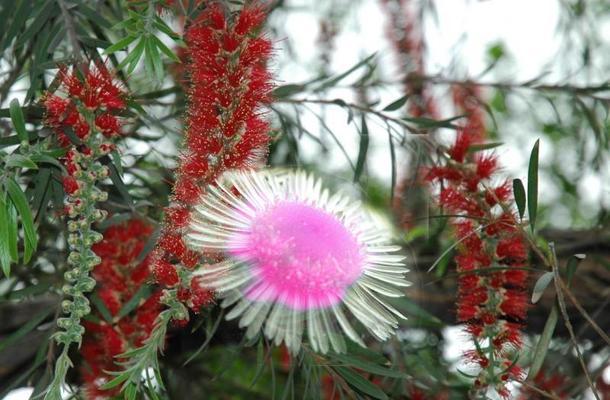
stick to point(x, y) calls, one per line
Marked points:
point(119, 277)
point(225, 129)
point(491, 252)
point(296, 256)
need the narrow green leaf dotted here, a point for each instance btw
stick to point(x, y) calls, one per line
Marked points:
point(285, 91)
point(13, 230)
point(541, 284)
point(532, 185)
point(20, 17)
point(396, 104)
point(101, 307)
point(331, 82)
point(572, 264)
point(156, 58)
point(19, 200)
point(120, 45)
point(133, 303)
point(393, 162)
point(17, 160)
point(166, 50)
point(18, 120)
point(364, 147)
point(130, 391)
point(48, 10)
point(5, 256)
point(120, 185)
point(424, 122)
point(133, 57)
point(163, 27)
point(116, 381)
point(93, 16)
point(519, 194)
point(367, 366)
point(473, 148)
point(543, 344)
point(26, 328)
point(360, 384)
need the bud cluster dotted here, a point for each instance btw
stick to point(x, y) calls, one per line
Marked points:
point(82, 115)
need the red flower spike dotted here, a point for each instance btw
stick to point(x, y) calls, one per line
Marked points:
point(224, 124)
point(115, 276)
point(487, 235)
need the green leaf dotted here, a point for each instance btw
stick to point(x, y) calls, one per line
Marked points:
point(484, 146)
point(166, 50)
point(18, 120)
point(20, 17)
point(284, 91)
point(519, 194)
point(424, 122)
point(101, 307)
point(17, 160)
point(543, 344)
point(393, 162)
point(120, 45)
point(48, 10)
point(367, 366)
point(572, 264)
point(120, 185)
point(26, 328)
point(163, 27)
point(541, 285)
point(5, 256)
point(532, 185)
point(360, 384)
point(133, 57)
point(396, 104)
point(331, 82)
point(12, 231)
point(19, 200)
point(364, 147)
point(133, 303)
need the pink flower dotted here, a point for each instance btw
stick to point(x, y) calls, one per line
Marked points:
point(296, 255)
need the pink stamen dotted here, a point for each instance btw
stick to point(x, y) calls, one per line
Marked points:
point(304, 258)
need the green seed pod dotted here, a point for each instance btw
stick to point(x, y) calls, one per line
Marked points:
point(66, 306)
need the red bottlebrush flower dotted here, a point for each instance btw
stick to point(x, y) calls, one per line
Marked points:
point(70, 184)
point(165, 273)
point(172, 243)
point(193, 166)
point(119, 277)
point(448, 173)
point(249, 19)
point(514, 304)
point(224, 126)
point(461, 146)
point(200, 296)
point(108, 124)
point(177, 216)
point(186, 191)
point(492, 302)
point(512, 247)
point(486, 166)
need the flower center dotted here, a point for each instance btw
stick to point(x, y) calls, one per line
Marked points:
point(304, 257)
